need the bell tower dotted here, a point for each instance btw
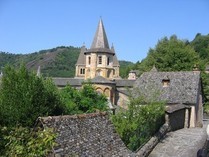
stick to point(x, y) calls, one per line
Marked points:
point(100, 58)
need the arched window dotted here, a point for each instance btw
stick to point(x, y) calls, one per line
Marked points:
point(89, 60)
point(107, 92)
point(82, 71)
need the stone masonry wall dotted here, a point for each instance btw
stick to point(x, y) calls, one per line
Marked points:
point(86, 135)
point(176, 119)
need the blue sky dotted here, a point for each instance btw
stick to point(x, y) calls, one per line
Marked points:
point(133, 26)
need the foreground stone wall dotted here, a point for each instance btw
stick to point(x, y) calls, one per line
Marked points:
point(145, 150)
point(86, 135)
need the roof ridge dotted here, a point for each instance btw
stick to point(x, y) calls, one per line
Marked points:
point(76, 116)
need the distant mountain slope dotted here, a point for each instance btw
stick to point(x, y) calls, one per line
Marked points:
point(55, 62)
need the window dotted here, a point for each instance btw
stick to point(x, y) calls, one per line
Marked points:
point(89, 60)
point(82, 71)
point(166, 82)
point(108, 60)
point(100, 60)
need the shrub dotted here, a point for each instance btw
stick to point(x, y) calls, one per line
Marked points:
point(23, 142)
point(85, 100)
point(136, 125)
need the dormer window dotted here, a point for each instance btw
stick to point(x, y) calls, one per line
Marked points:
point(166, 82)
point(100, 60)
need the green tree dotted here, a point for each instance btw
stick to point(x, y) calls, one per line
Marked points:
point(24, 97)
point(85, 100)
point(201, 46)
point(125, 67)
point(170, 55)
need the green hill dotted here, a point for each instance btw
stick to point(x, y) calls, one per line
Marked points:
point(55, 62)
point(59, 61)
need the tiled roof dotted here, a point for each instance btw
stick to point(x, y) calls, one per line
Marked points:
point(183, 87)
point(170, 108)
point(124, 83)
point(100, 38)
point(85, 135)
point(101, 80)
point(100, 42)
point(125, 91)
point(64, 81)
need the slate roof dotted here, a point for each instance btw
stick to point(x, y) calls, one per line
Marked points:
point(183, 87)
point(61, 82)
point(101, 80)
point(81, 58)
point(175, 107)
point(124, 83)
point(100, 42)
point(125, 91)
point(85, 135)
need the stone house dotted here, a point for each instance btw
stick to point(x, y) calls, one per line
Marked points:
point(180, 90)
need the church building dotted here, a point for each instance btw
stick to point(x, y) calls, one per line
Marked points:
point(99, 65)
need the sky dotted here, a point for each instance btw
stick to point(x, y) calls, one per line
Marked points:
point(132, 26)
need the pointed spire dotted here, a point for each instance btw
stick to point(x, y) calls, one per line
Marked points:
point(112, 48)
point(81, 58)
point(38, 71)
point(115, 59)
point(100, 38)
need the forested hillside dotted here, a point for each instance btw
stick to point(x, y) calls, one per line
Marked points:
point(55, 62)
point(59, 61)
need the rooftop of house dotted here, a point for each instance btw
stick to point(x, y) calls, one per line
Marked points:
point(85, 135)
point(173, 87)
point(170, 108)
